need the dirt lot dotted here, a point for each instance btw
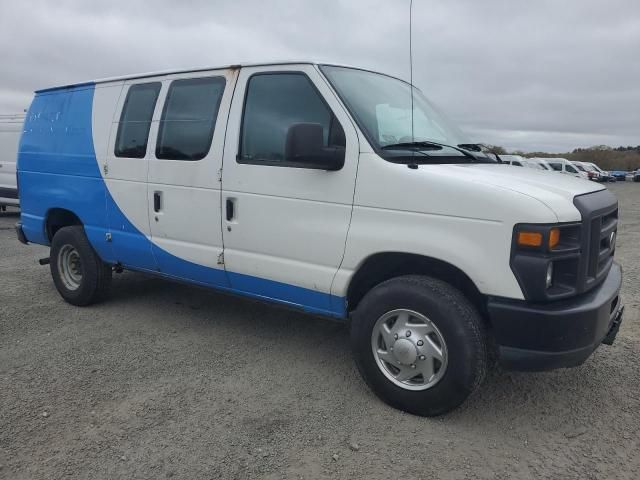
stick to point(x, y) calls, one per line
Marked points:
point(166, 380)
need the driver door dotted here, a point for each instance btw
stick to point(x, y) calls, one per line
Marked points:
point(285, 225)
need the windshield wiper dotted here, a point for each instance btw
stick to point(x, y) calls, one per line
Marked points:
point(428, 145)
point(414, 145)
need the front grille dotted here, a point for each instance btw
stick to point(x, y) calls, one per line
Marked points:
point(606, 228)
point(599, 230)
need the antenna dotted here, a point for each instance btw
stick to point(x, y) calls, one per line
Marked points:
point(413, 138)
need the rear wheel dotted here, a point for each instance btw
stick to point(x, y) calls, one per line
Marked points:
point(419, 344)
point(79, 274)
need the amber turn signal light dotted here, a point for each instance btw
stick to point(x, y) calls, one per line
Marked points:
point(529, 239)
point(554, 237)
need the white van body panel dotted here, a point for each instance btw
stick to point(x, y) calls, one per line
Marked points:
point(555, 191)
point(413, 211)
point(125, 178)
point(186, 186)
point(189, 186)
point(290, 224)
point(10, 131)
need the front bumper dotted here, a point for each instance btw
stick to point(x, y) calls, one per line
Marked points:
point(557, 334)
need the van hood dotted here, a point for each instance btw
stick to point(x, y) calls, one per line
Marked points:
point(554, 189)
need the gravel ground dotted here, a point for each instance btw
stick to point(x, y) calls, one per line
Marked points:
point(166, 380)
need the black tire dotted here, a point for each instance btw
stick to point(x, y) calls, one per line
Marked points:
point(460, 324)
point(95, 280)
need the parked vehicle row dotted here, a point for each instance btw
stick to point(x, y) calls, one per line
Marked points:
point(584, 170)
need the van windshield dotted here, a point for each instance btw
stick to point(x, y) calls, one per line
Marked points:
point(381, 106)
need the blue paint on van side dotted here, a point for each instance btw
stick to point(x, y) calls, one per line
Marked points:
point(57, 168)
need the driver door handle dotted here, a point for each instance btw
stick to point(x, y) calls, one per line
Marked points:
point(231, 209)
point(157, 201)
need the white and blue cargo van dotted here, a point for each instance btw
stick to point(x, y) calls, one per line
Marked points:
point(318, 187)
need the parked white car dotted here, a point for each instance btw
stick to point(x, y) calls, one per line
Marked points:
point(529, 163)
point(515, 160)
point(589, 171)
point(592, 171)
point(542, 162)
point(604, 175)
point(520, 161)
point(562, 165)
point(10, 131)
point(308, 185)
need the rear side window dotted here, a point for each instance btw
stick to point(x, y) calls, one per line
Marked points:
point(274, 102)
point(189, 118)
point(556, 166)
point(135, 120)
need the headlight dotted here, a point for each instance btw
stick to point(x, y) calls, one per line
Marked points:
point(545, 259)
point(546, 238)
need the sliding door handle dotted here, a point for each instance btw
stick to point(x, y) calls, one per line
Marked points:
point(157, 201)
point(231, 209)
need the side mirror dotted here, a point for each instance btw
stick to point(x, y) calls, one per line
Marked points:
point(305, 148)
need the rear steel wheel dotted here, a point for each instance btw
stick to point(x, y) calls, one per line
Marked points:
point(79, 274)
point(70, 267)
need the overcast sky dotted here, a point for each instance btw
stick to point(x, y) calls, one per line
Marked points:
point(526, 74)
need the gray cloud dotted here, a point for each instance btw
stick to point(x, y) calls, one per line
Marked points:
point(543, 75)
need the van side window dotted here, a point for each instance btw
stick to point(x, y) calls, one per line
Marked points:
point(189, 118)
point(135, 120)
point(274, 102)
point(556, 166)
point(571, 169)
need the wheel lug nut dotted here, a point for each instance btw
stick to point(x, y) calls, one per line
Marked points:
point(395, 335)
point(422, 357)
point(413, 365)
point(408, 334)
point(420, 343)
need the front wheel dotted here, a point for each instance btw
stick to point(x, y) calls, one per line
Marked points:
point(419, 344)
point(79, 274)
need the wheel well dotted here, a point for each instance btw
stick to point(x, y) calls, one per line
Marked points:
point(58, 218)
point(384, 266)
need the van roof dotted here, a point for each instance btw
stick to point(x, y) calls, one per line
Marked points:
point(204, 69)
